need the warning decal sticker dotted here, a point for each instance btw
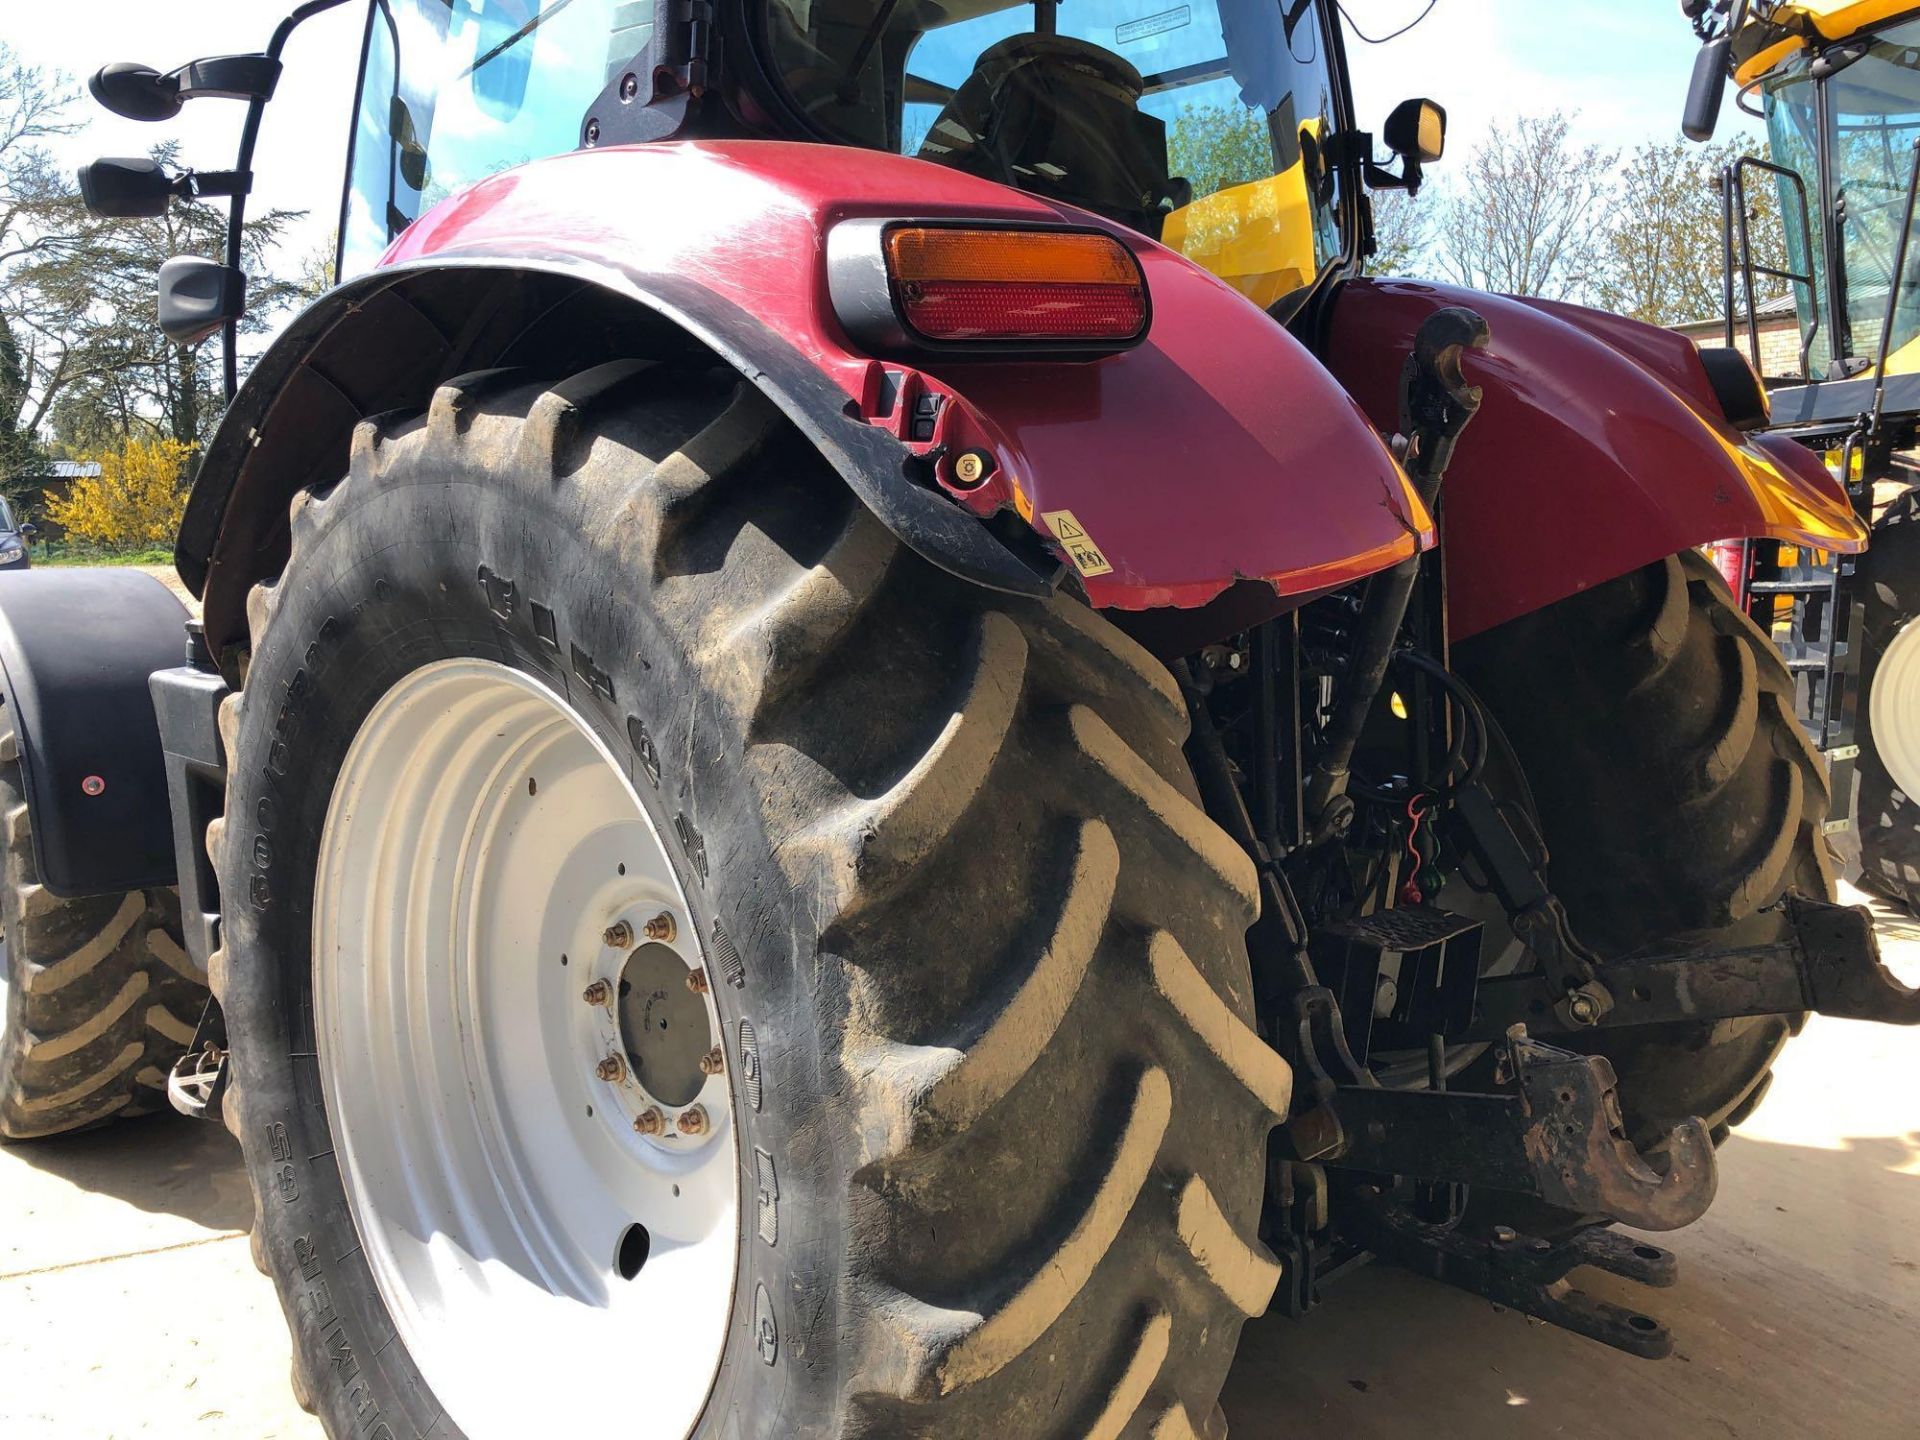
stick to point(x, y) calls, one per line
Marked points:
point(1073, 538)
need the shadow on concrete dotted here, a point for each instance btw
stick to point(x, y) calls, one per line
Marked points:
point(1797, 1300)
point(158, 1163)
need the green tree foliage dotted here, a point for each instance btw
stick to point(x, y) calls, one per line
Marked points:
point(82, 357)
point(1403, 235)
point(1664, 256)
point(1213, 147)
point(95, 299)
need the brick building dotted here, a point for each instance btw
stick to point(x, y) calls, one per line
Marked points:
point(1779, 337)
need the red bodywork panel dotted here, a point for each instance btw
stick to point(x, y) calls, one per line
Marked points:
point(1599, 448)
point(1218, 449)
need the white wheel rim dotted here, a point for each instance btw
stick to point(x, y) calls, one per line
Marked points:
point(1893, 709)
point(477, 834)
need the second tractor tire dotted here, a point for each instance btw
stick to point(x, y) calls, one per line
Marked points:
point(1679, 800)
point(97, 995)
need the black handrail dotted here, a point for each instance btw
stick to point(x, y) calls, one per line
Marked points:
point(1896, 281)
point(1733, 182)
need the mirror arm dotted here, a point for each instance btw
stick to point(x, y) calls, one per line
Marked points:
point(237, 213)
point(227, 77)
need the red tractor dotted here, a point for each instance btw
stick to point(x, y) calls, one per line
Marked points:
point(867, 734)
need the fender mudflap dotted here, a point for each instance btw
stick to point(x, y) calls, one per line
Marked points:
point(76, 648)
point(1596, 450)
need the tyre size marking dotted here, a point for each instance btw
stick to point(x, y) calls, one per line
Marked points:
point(501, 594)
point(692, 843)
point(731, 965)
point(767, 1187)
point(750, 1063)
point(766, 1331)
point(598, 680)
point(286, 1182)
point(642, 743)
point(545, 627)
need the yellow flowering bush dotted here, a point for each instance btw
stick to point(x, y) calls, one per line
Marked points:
point(135, 501)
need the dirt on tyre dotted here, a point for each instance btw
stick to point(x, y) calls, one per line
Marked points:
point(930, 865)
point(97, 995)
point(1887, 807)
point(1679, 800)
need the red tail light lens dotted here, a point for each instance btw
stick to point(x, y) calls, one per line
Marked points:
point(962, 284)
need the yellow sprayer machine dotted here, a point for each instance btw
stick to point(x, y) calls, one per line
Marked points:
point(1838, 85)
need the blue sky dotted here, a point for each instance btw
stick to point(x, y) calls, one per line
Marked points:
point(1622, 64)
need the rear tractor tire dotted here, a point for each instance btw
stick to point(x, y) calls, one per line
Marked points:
point(97, 995)
point(1679, 800)
point(983, 1120)
point(1887, 809)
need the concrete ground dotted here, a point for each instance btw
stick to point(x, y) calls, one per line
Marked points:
point(128, 1306)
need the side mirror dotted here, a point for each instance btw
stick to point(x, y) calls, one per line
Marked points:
point(132, 188)
point(139, 92)
point(1416, 131)
point(1705, 91)
point(199, 296)
point(136, 188)
point(28, 529)
point(414, 168)
point(136, 92)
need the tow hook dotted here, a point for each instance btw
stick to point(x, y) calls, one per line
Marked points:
point(1552, 1129)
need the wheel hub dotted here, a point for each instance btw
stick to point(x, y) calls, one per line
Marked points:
point(520, 1057)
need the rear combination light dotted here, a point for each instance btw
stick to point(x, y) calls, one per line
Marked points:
point(986, 289)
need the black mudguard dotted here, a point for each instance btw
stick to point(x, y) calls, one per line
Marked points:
point(76, 648)
point(384, 340)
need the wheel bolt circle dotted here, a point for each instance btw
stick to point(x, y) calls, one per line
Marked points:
point(693, 1120)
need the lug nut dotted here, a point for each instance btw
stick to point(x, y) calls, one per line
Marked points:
point(650, 1122)
point(713, 1062)
point(1584, 1009)
point(619, 935)
point(662, 928)
point(598, 993)
point(693, 1120)
point(612, 1069)
point(697, 982)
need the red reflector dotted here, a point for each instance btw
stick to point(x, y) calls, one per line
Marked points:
point(1022, 310)
point(964, 284)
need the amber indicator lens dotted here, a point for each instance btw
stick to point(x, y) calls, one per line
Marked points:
point(960, 284)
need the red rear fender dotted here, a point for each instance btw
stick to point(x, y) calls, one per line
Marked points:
point(1599, 448)
point(1217, 450)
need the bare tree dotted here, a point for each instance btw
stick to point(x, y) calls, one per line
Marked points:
point(1664, 260)
point(1403, 232)
point(1528, 214)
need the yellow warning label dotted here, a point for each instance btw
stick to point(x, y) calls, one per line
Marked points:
point(1073, 538)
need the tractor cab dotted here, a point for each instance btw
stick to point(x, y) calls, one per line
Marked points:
point(1212, 126)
